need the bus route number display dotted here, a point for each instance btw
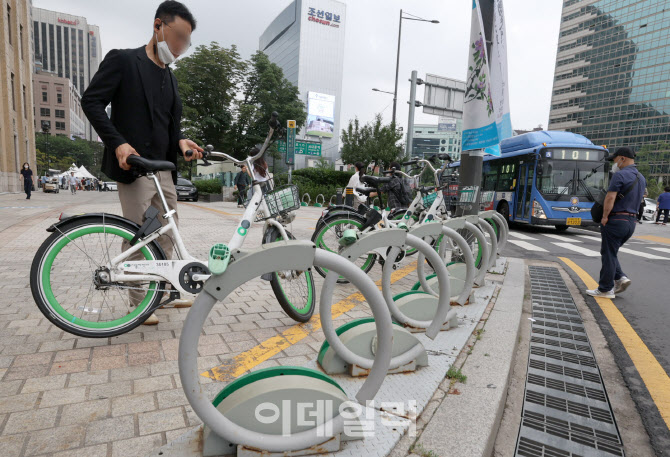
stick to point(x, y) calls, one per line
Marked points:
point(574, 154)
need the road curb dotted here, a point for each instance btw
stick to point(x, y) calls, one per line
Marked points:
point(466, 422)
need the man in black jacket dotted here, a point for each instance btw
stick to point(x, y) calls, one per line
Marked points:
point(146, 115)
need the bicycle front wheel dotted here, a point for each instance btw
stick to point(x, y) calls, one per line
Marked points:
point(294, 289)
point(69, 279)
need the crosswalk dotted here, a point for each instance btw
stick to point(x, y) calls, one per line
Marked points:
point(586, 245)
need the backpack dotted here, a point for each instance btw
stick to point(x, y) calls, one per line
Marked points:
point(404, 192)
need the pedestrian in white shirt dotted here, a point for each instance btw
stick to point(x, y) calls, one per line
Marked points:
point(355, 181)
point(73, 183)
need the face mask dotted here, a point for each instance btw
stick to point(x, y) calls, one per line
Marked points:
point(25, 166)
point(615, 167)
point(164, 53)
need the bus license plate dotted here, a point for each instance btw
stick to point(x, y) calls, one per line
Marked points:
point(574, 221)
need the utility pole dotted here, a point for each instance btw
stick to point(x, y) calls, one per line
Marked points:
point(414, 80)
point(397, 66)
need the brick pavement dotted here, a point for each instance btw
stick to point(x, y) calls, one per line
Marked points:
point(63, 395)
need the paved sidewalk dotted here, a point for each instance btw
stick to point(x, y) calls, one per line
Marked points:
point(63, 395)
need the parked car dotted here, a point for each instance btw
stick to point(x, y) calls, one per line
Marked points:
point(186, 190)
point(649, 212)
point(111, 185)
point(51, 185)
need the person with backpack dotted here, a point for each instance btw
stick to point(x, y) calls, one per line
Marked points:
point(397, 197)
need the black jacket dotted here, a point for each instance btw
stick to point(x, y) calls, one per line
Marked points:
point(122, 79)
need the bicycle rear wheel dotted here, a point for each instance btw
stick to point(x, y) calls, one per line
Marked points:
point(294, 289)
point(67, 279)
point(327, 236)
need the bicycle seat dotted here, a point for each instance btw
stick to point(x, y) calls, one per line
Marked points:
point(365, 190)
point(147, 165)
point(375, 181)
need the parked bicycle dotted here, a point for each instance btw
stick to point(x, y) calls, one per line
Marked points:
point(82, 279)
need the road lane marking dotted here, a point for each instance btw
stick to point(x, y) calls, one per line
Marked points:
point(527, 246)
point(658, 239)
point(521, 236)
point(646, 255)
point(241, 363)
point(562, 237)
point(578, 249)
point(667, 250)
point(589, 237)
point(652, 373)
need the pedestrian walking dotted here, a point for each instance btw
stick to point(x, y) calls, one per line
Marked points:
point(146, 117)
point(242, 181)
point(397, 197)
point(643, 205)
point(27, 176)
point(618, 223)
point(663, 202)
point(73, 183)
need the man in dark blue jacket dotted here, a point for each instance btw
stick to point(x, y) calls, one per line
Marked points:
point(621, 205)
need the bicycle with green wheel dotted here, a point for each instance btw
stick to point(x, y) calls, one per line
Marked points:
point(84, 281)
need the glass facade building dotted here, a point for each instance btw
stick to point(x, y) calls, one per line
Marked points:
point(612, 78)
point(307, 41)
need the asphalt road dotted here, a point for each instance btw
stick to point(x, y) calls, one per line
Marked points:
point(645, 305)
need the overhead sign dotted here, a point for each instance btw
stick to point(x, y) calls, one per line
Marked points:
point(446, 124)
point(320, 115)
point(290, 143)
point(302, 147)
point(443, 96)
point(323, 17)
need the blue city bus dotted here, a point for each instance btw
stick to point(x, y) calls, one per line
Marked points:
point(545, 178)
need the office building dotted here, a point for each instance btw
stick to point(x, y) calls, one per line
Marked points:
point(612, 79)
point(69, 47)
point(17, 131)
point(430, 139)
point(307, 41)
point(58, 105)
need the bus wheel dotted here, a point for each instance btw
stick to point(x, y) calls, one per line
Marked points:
point(561, 228)
point(503, 210)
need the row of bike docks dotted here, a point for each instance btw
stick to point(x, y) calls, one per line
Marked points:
point(397, 356)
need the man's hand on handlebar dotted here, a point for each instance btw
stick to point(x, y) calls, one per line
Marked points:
point(186, 145)
point(122, 154)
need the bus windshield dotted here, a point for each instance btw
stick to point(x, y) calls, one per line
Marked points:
point(559, 180)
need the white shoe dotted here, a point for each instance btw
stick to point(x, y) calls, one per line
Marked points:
point(599, 293)
point(621, 285)
point(151, 320)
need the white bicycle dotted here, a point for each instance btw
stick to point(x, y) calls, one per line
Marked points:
point(82, 276)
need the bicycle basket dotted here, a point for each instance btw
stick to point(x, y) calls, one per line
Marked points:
point(429, 199)
point(467, 195)
point(283, 200)
point(487, 198)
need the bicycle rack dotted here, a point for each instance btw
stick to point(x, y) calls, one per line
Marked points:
point(303, 202)
point(376, 206)
point(461, 275)
point(502, 226)
point(229, 421)
point(330, 202)
point(320, 204)
point(349, 348)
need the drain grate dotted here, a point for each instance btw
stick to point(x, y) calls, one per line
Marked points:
point(566, 412)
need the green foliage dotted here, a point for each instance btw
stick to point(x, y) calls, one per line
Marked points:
point(324, 164)
point(60, 152)
point(649, 159)
point(228, 101)
point(208, 186)
point(375, 143)
point(315, 181)
point(456, 375)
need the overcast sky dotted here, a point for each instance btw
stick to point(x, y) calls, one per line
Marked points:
point(371, 40)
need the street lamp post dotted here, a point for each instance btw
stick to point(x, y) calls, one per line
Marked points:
point(45, 130)
point(397, 63)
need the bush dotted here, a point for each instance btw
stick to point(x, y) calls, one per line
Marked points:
point(208, 186)
point(315, 181)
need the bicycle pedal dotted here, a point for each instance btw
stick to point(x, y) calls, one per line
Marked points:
point(219, 256)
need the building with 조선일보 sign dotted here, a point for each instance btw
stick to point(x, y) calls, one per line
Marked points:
point(69, 47)
point(307, 41)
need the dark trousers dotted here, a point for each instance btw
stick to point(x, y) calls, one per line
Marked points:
point(640, 212)
point(28, 187)
point(241, 194)
point(618, 230)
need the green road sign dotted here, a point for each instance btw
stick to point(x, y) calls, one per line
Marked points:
point(302, 147)
point(290, 143)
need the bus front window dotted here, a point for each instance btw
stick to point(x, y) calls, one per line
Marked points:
point(592, 178)
point(556, 179)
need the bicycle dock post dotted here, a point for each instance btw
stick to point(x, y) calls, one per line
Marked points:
point(238, 420)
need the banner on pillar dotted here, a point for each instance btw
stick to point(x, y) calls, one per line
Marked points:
point(499, 85)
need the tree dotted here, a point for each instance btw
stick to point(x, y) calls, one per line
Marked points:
point(375, 142)
point(61, 152)
point(265, 90)
point(650, 159)
point(208, 82)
